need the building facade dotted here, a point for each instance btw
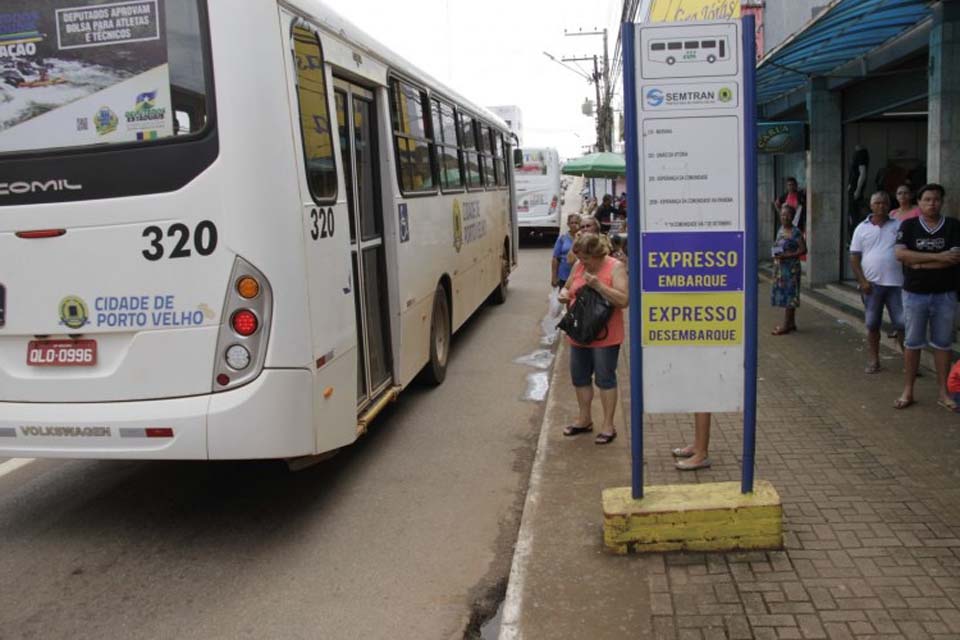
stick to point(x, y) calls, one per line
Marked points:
point(513, 117)
point(875, 84)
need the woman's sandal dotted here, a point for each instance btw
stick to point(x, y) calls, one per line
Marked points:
point(682, 452)
point(574, 430)
point(605, 438)
point(782, 331)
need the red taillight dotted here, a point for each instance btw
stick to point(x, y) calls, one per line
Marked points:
point(244, 322)
point(41, 233)
point(159, 432)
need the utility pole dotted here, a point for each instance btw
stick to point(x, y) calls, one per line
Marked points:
point(601, 79)
point(595, 79)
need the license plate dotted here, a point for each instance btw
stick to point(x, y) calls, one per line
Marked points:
point(62, 353)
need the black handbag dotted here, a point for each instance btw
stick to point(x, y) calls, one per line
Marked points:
point(586, 320)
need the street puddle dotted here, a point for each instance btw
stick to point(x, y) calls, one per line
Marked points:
point(539, 359)
point(491, 628)
point(538, 384)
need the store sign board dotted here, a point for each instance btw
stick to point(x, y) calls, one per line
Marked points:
point(781, 137)
point(690, 10)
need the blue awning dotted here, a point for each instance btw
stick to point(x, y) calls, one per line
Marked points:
point(845, 31)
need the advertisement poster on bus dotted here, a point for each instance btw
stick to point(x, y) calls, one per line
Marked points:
point(75, 73)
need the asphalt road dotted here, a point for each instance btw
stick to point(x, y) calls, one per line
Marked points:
point(404, 535)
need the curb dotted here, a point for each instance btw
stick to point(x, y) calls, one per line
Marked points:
point(513, 601)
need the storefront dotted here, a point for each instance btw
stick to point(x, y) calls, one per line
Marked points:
point(871, 79)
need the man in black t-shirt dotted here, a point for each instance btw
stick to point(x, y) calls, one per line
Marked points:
point(605, 213)
point(929, 249)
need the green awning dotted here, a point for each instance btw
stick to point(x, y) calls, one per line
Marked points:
point(597, 165)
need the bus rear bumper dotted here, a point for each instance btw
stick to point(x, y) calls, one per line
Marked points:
point(269, 418)
point(546, 222)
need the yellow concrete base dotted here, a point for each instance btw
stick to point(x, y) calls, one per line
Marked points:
point(693, 517)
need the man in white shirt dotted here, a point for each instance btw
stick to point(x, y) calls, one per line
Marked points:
point(879, 274)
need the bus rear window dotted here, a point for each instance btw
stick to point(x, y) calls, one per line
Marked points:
point(100, 72)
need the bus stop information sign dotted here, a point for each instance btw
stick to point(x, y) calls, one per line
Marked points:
point(692, 223)
point(691, 160)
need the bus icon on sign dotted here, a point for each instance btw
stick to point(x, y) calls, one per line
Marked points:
point(690, 50)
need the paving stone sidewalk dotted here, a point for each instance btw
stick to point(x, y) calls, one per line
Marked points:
point(871, 501)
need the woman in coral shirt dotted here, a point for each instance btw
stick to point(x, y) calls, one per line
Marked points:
point(596, 363)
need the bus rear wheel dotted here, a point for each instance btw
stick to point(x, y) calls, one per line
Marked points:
point(436, 370)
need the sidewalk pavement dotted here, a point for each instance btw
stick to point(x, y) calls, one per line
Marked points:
point(871, 500)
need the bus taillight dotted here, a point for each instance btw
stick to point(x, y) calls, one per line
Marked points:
point(244, 327)
point(244, 322)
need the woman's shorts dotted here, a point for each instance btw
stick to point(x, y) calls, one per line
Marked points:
point(599, 364)
point(933, 310)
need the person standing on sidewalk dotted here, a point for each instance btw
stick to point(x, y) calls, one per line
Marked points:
point(906, 209)
point(606, 213)
point(559, 267)
point(786, 270)
point(929, 249)
point(695, 456)
point(880, 277)
point(597, 361)
point(796, 199)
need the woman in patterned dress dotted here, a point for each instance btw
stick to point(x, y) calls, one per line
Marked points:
point(787, 250)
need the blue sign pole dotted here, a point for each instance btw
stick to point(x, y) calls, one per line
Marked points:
point(628, 32)
point(750, 254)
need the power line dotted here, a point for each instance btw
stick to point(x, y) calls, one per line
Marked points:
point(577, 71)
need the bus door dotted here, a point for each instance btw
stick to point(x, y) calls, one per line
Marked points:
point(357, 120)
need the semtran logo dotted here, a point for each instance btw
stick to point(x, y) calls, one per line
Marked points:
point(655, 97)
point(37, 186)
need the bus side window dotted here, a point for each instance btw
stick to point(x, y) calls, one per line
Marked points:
point(314, 115)
point(708, 44)
point(486, 161)
point(409, 112)
point(498, 163)
point(468, 140)
point(451, 176)
point(674, 46)
point(658, 46)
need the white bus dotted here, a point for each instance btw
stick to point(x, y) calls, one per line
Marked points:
point(710, 49)
point(538, 191)
point(234, 230)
